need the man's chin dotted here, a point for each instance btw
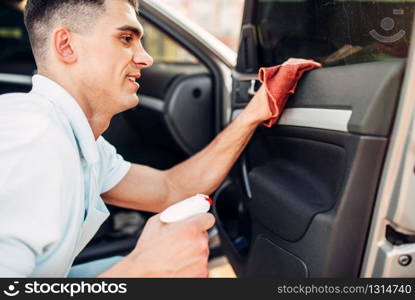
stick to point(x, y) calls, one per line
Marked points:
point(132, 102)
point(126, 104)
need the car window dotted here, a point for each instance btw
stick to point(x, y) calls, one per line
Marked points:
point(15, 51)
point(213, 16)
point(163, 49)
point(334, 32)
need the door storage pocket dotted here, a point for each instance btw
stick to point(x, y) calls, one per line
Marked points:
point(269, 260)
point(301, 179)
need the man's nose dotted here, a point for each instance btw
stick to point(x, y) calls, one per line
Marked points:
point(142, 59)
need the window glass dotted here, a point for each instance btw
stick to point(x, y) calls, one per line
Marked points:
point(163, 49)
point(222, 18)
point(333, 31)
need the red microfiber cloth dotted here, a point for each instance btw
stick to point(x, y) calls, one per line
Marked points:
point(280, 82)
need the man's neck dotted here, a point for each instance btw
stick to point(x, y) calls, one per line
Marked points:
point(98, 122)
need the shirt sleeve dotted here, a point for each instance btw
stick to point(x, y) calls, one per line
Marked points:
point(113, 167)
point(30, 187)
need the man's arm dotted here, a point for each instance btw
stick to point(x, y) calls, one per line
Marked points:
point(144, 188)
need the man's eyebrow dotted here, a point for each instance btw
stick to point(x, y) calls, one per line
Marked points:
point(135, 30)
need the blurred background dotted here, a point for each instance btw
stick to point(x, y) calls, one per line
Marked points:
point(222, 18)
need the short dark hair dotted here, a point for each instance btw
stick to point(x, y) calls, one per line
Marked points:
point(77, 15)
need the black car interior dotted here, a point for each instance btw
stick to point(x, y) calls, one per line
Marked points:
point(300, 200)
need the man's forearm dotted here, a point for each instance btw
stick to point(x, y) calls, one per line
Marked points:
point(205, 171)
point(145, 188)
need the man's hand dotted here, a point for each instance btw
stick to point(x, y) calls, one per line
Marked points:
point(257, 110)
point(177, 249)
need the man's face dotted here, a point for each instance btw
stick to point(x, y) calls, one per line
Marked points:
point(111, 58)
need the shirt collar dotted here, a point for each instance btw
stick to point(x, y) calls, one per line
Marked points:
point(73, 112)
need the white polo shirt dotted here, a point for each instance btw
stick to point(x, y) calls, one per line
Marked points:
point(52, 172)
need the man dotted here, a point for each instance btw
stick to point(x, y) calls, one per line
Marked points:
point(57, 169)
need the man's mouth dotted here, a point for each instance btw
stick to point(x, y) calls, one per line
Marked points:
point(133, 79)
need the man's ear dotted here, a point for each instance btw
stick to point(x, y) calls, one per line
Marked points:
point(63, 45)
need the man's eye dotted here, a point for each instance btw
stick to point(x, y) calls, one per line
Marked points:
point(126, 38)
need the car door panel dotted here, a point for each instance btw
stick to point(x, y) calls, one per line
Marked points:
point(270, 260)
point(189, 112)
point(370, 90)
point(303, 192)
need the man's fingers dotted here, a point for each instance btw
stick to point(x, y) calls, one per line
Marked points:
point(202, 221)
point(297, 61)
point(154, 219)
point(316, 63)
